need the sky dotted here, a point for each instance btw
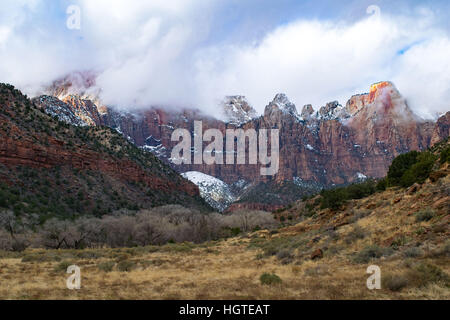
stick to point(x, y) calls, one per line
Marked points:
point(192, 53)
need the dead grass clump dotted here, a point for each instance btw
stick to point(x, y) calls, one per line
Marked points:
point(423, 274)
point(394, 282)
point(315, 271)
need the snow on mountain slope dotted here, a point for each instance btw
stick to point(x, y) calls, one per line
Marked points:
point(57, 108)
point(215, 192)
point(237, 110)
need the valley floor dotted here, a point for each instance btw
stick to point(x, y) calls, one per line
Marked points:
point(225, 270)
point(404, 232)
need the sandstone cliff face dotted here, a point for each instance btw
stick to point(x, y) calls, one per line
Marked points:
point(30, 138)
point(334, 145)
point(441, 129)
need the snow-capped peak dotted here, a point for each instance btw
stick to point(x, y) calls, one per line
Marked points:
point(237, 110)
point(333, 111)
point(282, 103)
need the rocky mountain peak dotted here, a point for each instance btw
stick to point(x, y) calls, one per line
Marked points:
point(237, 110)
point(307, 111)
point(282, 101)
point(332, 111)
point(280, 106)
point(380, 88)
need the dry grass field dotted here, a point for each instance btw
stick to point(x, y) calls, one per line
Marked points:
point(404, 232)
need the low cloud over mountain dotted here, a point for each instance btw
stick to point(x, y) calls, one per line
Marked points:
point(191, 53)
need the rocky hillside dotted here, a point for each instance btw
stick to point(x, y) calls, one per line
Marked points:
point(51, 168)
point(331, 146)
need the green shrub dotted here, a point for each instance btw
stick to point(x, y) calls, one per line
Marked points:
point(424, 215)
point(270, 279)
point(445, 155)
point(235, 231)
point(382, 184)
point(335, 198)
point(400, 165)
point(62, 266)
point(106, 266)
point(419, 171)
point(126, 265)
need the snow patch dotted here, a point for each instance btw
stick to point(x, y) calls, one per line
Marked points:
point(215, 192)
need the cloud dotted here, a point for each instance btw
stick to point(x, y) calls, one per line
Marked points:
point(321, 61)
point(182, 53)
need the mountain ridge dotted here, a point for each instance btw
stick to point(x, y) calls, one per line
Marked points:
point(91, 170)
point(330, 146)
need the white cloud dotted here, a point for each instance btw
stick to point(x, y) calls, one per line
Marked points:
point(166, 53)
point(317, 62)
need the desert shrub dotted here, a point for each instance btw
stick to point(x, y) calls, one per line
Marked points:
point(360, 214)
point(62, 266)
point(44, 256)
point(285, 256)
point(270, 279)
point(355, 234)
point(89, 254)
point(126, 265)
point(413, 252)
point(424, 273)
point(179, 247)
point(399, 242)
point(394, 282)
point(319, 270)
point(424, 215)
point(106, 266)
point(277, 245)
point(371, 252)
